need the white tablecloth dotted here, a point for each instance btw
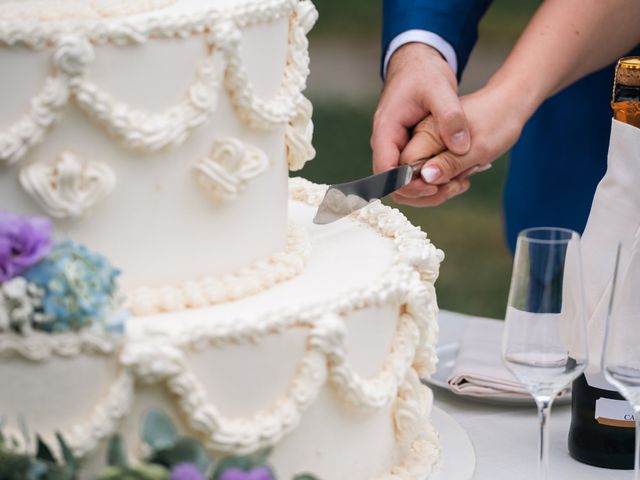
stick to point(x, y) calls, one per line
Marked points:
point(505, 441)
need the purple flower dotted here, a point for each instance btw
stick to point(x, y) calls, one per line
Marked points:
point(23, 242)
point(258, 473)
point(186, 471)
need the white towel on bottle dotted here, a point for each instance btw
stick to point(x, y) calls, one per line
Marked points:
point(614, 218)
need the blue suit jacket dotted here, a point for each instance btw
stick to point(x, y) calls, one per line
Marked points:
point(561, 154)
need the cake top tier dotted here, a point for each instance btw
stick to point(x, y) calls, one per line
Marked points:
point(62, 10)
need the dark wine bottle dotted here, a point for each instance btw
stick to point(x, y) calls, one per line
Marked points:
point(602, 429)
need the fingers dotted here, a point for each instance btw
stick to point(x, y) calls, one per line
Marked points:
point(417, 188)
point(444, 193)
point(444, 165)
point(388, 139)
point(425, 142)
point(416, 76)
point(451, 120)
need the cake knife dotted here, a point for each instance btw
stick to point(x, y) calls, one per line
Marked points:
point(342, 199)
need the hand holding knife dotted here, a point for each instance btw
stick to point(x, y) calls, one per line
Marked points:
point(345, 198)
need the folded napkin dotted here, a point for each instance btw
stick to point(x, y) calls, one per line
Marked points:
point(479, 370)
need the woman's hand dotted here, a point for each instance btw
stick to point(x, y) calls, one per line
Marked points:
point(495, 114)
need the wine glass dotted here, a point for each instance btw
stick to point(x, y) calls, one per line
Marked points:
point(545, 341)
point(621, 354)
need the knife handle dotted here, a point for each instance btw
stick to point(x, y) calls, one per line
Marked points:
point(417, 166)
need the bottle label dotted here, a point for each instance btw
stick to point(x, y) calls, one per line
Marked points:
point(615, 413)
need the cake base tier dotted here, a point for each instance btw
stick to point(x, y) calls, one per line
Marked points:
point(326, 363)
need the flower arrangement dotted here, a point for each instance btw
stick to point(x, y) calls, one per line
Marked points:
point(171, 457)
point(174, 457)
point(53, 287)
point(41, 465)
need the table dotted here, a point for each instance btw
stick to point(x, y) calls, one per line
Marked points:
point(505, 439)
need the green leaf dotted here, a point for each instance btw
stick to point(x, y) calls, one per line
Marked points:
point(305, 476)
point(37, 471)
point(14, 466)
point(24, 429)
point(241, 463)
point(260, 457)
point(158, 431)
point(43, 452)
point(147, 471)
point(139, 472)
point(185, 449)
point(117, 453)
point(245, 463)
point(55, 472)
point(69, 458)
point(3, 420)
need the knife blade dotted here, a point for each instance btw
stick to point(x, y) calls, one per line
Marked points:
point(342, 199)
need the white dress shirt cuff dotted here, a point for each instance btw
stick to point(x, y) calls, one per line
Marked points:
point(422, 36)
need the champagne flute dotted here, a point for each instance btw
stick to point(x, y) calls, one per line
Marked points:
point(621, 354)
point(545, 341)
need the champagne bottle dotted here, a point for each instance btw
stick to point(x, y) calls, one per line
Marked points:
point(626, 91)
point(602, 422)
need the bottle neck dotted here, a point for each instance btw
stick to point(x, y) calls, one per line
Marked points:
point(626, 104)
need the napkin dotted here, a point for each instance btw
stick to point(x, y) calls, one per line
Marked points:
point(614, 218)
point(479, 370)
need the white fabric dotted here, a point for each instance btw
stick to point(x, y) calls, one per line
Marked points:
point(479, 370)
point(422, 36)
point(614, 218)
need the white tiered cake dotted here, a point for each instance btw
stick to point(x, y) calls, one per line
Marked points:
point(158, 133)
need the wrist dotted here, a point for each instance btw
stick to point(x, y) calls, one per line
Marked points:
point(412, 53)
point(521, 95)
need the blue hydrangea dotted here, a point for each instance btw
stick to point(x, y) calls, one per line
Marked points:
point(79, 289)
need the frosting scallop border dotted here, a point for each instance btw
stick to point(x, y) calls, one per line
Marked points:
point(136, 129)
point(259, 276)
point(139, 28)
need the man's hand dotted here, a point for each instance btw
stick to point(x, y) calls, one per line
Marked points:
point(419, 83)
point(495, 123)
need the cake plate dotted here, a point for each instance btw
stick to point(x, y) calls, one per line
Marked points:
point(458, 461)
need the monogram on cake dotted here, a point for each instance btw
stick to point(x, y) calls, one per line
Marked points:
point(158, 134)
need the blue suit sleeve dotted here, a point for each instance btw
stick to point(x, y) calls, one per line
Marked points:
point(454, 20)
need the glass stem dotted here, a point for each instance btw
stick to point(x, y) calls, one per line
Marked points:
point(544, 407)
point(636, 461)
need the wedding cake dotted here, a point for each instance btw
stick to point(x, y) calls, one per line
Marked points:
point(155, 255)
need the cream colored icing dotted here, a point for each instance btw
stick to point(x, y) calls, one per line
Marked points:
point(136, 129)
point(160, 351)
point(47, 10)
point(224, 173)
point(259, 276)
point(68, 187)
point(151, 133)
point(166, 358)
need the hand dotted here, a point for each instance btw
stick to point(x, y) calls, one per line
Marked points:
point(419, 83)
point(495, 117)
